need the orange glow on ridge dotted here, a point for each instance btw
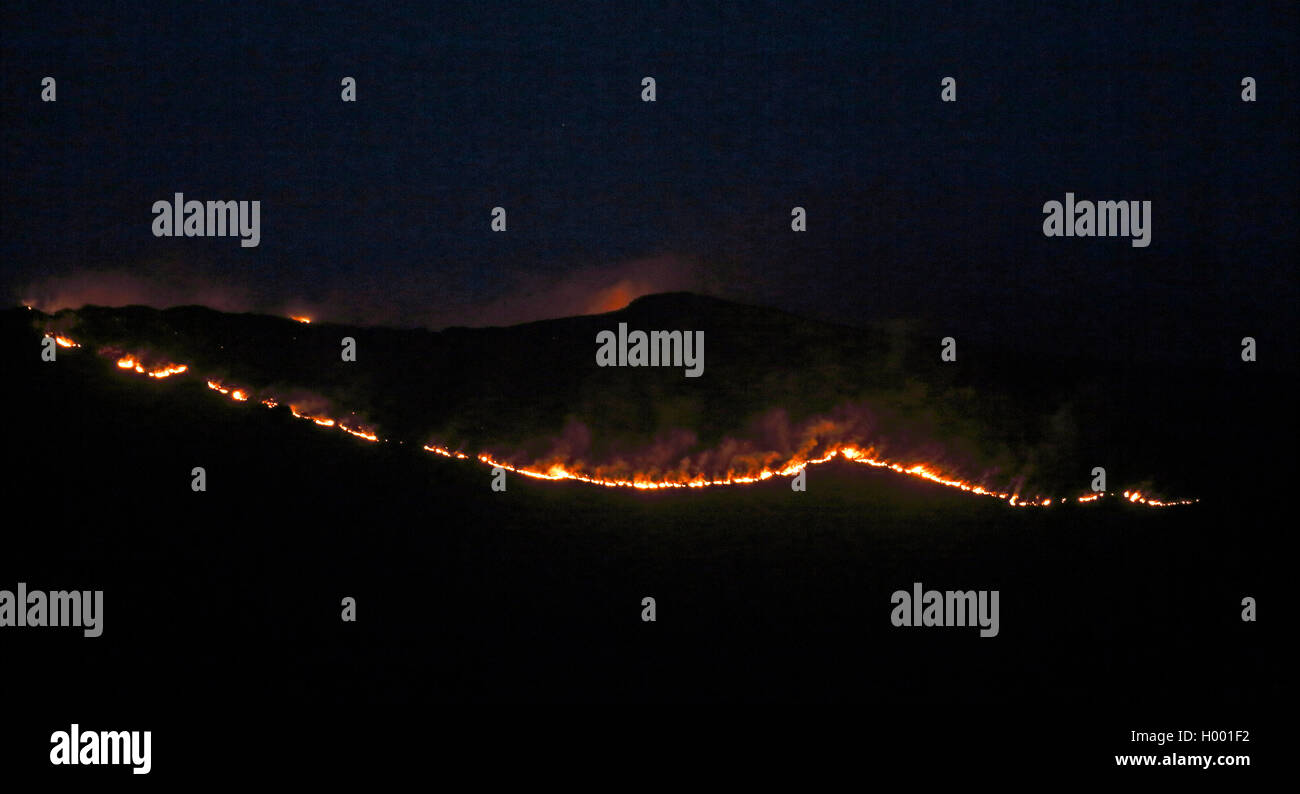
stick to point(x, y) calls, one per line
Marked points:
point(558, 471)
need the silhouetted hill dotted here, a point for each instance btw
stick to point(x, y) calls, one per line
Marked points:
point(773, 384)
point(231, 597)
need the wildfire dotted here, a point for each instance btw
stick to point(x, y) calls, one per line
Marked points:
point(446, 453)
point(323, 421)
point(306, 320)
point(358, 433)
point(166, 371)
point(1136, 497)
point(559, 471)
point(243, 395)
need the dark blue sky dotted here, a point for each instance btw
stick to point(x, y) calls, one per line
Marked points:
point(378, 211)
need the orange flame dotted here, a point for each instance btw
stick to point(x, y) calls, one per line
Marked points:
point(165, 371)
point(243, 395)
point(358, 433)
point(168, 371)
point(558, 471)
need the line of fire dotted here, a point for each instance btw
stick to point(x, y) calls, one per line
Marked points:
point(137, 364)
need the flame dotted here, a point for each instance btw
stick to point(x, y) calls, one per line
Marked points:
point(306, 320)
point(323, 421)
point(165, 371)
point(557, 470)
point(1136, 497)
point(63, 341)
point(244, 395)
point(358, 433)
point(168, 371)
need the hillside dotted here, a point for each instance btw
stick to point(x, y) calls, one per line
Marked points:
point(774, 388)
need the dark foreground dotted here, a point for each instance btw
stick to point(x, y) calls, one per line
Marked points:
point(229, 601)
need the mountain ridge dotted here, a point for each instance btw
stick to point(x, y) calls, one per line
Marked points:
point(532, 394)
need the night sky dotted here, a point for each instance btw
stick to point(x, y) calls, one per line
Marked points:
point(1085, 363)
point(378, 211)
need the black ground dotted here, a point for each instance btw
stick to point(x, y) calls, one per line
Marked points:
point(230, 599)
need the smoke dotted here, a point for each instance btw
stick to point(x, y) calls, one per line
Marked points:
point(770, 443)
point(163, 288)
point(376, 298)
point(589, 290)
point(955, 434)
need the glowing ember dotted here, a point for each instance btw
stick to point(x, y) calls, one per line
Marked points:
point(446, 453)
point(1136, 497)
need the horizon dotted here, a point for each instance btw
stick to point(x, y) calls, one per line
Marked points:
point(379, 211)
point(937, 360)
